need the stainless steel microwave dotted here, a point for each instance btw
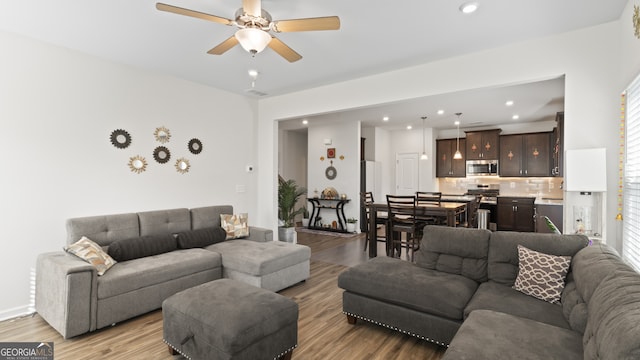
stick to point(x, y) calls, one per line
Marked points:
point(482, 167)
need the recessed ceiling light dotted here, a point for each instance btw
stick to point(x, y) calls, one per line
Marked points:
point(386, 118)
point(305, 122)
point(515, 117)
point(409, 127)
point(509, 103)
point(469, 7)
point(440, 112)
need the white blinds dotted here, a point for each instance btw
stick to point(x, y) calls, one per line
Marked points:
point(631, 215)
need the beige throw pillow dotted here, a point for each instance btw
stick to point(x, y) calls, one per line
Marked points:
point(541, 275)
point(92, 253)
point(236, 226)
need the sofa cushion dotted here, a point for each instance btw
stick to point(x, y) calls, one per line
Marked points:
point(208, 216)
point(503, 251)
point(103, 229)
point(403, 283)
point(200, 238)
point(123, 250)
point(541, 275)
point(162, 222)
point(459, 251)
point(612, 330)
point(92, 253)
point(135, 274)
point(574, 308)
point(498, 297)
point(591, 265)
point(235, 225)
point(256, 258)
point(493, 335)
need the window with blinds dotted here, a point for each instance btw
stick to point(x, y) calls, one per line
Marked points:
point(631, 212)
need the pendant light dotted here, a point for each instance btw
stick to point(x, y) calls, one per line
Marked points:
point(458, 154)
point(424, 154)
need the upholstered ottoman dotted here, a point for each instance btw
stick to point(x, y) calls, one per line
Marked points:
point(271, 265)
point(228, 319)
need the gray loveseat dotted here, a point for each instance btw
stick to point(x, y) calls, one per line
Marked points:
point(459, 294)
point(74, 300)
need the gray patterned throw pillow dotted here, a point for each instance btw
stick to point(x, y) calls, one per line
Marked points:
point(541, 275)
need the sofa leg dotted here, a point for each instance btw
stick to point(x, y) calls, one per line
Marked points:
point(351, 319)
point(172, 351)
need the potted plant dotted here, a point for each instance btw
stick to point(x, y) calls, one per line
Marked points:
point(288, 195)
point(351, 224)
point(305, 217)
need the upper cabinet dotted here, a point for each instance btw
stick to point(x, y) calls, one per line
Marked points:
point(483, 145)
point(557, 146)
point(446, 165)
point(525, 154)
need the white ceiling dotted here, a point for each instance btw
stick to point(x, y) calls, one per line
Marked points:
point(375, 36)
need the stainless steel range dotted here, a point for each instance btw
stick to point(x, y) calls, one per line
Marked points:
point(489, 200)
point(489, 192)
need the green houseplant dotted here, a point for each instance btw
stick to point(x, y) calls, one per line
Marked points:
point(288, 195)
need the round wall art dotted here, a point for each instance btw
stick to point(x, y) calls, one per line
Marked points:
point(137, 164)
point(182, 165)
point(162, 134)
point(161, 154)
point(195, 146)
point(120, 138)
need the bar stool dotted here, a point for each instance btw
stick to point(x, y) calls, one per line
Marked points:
point(366, 199)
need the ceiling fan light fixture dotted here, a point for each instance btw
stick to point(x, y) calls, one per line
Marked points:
point(253, 40)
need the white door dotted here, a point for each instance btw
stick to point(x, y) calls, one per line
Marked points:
point(407, 173)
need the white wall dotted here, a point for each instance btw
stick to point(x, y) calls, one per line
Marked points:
point(589, 58)
point(293, 160)
point(58, 108)
point(345, 138)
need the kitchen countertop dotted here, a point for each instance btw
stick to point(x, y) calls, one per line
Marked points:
point(460, 198)
point(549, 201)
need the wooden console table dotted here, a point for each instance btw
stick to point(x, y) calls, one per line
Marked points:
point(334, 204)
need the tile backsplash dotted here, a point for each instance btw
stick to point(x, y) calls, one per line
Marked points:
point(548, 187)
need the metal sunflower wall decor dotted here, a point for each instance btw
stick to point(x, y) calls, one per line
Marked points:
point(162, 134)
point(137, 164)
point(182, 165)
point(161, 154)
point(120, 138)
point(195, 146)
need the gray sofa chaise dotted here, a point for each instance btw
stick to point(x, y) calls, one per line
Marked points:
point(459, 294)
point(74, 300)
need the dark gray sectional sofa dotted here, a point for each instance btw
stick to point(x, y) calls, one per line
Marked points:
point(74, 300)
point(459, 294)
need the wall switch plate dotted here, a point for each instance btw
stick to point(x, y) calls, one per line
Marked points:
point(241, 188)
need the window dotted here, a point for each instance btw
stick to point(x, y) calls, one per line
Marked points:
point(631, 215)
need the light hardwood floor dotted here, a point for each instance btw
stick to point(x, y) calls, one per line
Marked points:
point(323, 331)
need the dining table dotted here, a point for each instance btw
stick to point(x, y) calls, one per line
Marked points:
point(448, 211)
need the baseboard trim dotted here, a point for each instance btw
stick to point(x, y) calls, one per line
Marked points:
point(16, 312)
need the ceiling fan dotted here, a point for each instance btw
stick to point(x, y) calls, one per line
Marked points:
point(254, 27)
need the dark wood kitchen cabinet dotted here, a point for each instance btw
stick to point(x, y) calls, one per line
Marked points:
point(515, 214)
point(525, 154)
point(483, 145)
point(557, 145)
point(446, 165)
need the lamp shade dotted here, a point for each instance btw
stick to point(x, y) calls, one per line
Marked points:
point(253, 40)
point(457, 155)
point(586, 170)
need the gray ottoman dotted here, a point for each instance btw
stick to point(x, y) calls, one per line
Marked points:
point(227, 319)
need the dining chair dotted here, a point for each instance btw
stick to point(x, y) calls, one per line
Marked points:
point(472, 212)
point(366, 199)
point(424, 198)
point(401, 211)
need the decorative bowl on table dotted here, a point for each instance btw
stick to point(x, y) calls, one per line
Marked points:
point(330, 193)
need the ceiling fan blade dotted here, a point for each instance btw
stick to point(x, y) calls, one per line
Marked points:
point(308, 24)
point(224, 46)
point(252, 7)
point(283, 50)
point(193, 13)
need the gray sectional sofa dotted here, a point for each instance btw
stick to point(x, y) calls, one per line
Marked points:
point(459, 294)
point(74, 300)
